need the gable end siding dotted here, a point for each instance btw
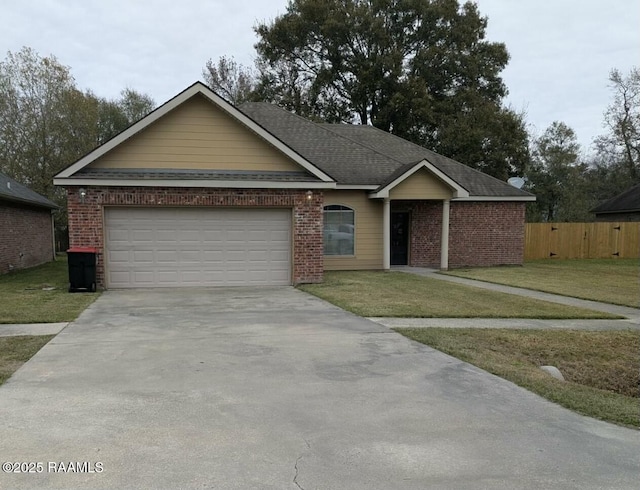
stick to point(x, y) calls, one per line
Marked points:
point(197, 135)
point(421, 185)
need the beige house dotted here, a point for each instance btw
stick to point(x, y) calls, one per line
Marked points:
point(202, 193)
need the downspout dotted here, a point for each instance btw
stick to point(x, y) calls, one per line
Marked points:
point(53, 233)
point(444, 239)
point(386, 234)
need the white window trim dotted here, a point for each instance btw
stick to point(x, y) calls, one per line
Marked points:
point(354, 231)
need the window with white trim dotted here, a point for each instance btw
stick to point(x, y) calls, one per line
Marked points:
point(339, 230)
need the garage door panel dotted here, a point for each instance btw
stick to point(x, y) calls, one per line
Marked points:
point(213, 257)
point(120, 276)
point(169, 247)
point(143, 256)
point(166, 256)
point(186, 257)
point(117, 234)
point(189, 236)
point(143, 277)
point(142, 235)
point(212, 235)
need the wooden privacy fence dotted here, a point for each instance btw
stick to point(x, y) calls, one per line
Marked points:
point(582, 240)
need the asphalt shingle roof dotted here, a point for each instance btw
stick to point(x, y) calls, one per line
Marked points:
point(11, 190)
point(346, 161)
point(359, 154)
point(628, 200)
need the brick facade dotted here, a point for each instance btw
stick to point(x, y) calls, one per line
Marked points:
point(486, 233)
point(86, 228)
point(26, 236)
point(425, 233)
point(480, 233)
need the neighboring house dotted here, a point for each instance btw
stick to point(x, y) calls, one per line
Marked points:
point(201, 193)
point(26, 227)
point(623, 207)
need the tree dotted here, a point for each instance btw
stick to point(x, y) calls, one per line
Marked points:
point(38, 105)
point(111, 117)
point(134, 106)
point(46, 123)
point(557, 177)
point(621, 145)
point(419, 69)
point(231, 80)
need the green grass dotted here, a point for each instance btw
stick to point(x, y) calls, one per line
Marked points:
point(15, 351)
point(601, 369)
point(23, 300)
point(614, 281)
point(398, 294)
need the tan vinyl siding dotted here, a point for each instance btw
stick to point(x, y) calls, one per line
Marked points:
point(421, 185)
point(368, 222)
point(197, 135)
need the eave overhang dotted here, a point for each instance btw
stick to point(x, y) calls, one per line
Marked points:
point(227, 184)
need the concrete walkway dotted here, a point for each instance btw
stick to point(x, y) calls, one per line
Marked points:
point(15, 329)
point(524, 323)
point(632, 320)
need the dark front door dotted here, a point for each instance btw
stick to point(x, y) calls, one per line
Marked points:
point(400, 238)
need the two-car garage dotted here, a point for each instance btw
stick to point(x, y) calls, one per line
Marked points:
point(197, 246)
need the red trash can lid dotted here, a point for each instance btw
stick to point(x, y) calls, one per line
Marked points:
point(86, 250)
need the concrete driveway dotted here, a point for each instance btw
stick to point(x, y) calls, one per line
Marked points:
point(272, 388)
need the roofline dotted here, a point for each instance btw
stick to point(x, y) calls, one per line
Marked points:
point(189, 92)
point(495, 198)
point(615, 211)
point(29, 202)
point(359, 187)
point(208, 183)
point(458, 190)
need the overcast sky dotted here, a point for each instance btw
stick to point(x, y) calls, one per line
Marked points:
point(561, 50)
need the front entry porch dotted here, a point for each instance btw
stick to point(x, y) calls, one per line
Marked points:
point(415, 229)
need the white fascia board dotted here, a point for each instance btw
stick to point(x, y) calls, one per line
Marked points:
point(236, 184)
point(195, 89)
point(358, 187)
point(495, 198)
point(458, 190)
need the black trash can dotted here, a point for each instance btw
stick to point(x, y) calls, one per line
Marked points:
point(82, 269)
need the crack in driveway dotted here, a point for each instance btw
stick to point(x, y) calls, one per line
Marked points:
point(295, 466)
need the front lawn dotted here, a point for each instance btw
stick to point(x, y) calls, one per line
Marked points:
point(601, 369)
point(40, 295)
point(15, 351)
point(612, 281)
point(398, 294)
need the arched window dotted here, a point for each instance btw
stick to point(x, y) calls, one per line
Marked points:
point(339, 230)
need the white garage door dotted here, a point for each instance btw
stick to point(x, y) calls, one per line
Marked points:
point(173, 247)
